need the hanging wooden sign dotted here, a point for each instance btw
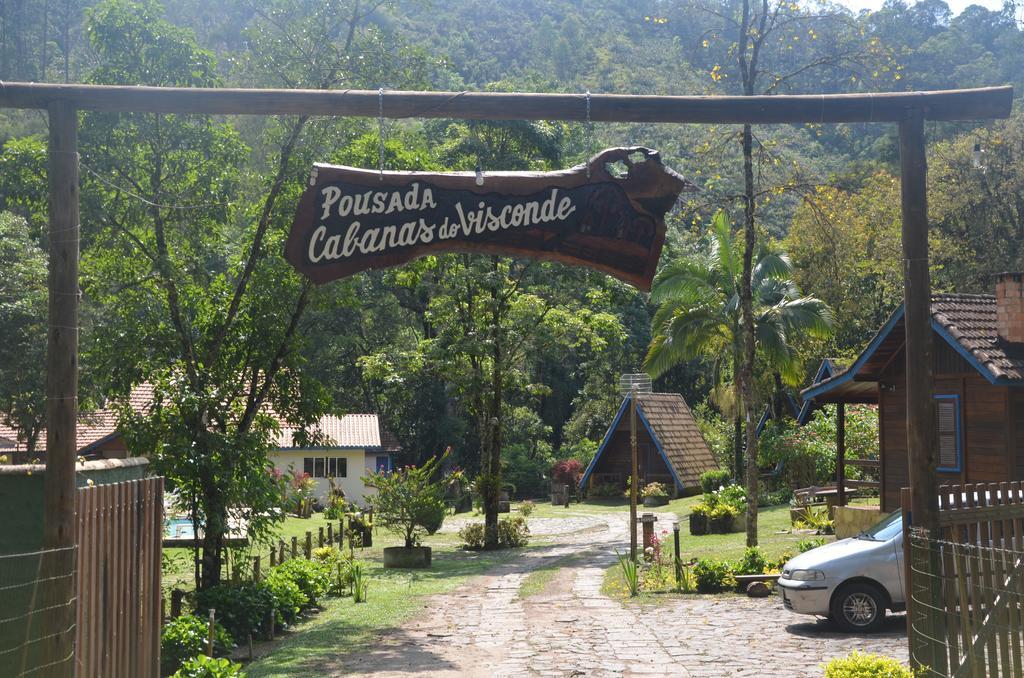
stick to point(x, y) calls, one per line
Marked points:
point(352, 220)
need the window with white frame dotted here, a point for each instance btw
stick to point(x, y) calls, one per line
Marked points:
point(326, 467)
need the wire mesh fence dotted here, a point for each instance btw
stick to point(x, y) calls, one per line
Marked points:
point(37, 610)
point(965, 612)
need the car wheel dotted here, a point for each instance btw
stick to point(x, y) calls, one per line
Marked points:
point(858, 607)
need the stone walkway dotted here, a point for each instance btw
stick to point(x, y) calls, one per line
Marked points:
point(571, 629)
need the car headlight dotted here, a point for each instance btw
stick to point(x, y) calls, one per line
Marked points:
point(806, 575)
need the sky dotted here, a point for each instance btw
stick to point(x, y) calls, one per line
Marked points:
point(956, 6)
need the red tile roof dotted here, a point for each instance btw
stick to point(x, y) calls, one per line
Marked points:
point(351, 430)
point(970, 319)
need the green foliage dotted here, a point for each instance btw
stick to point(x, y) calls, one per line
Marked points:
point(409, 499)
point(312, 577)
point(865, 665)
point(513, 531)
point(605, 490)
point(526, 508)
point(808, 452)
point(712, 480)
point(326, 555)
point(289, 600)
point(472, 535)
point(202, 666)
point(817, 520)
point(753, 561)
point(186, 637)
point(22, 333)
point(805, 545)
point(713, 576)
point(360, 583)
point(241, 609)
point(630, 574)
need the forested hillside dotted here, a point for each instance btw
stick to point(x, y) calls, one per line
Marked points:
point(184, 216)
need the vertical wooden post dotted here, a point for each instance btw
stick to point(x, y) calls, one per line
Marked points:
point(841, 454)
point(917, 321)
point(177, 597)
point(677, 559)
point(273, 556)
point(295, 548)
point(330, 533)
point(255, 569)
point(308, 548)
point(634, 475)
point(61, 385)
point(211, 633)
point(320, 538)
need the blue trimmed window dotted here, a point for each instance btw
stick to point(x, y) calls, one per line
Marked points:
point(947, 426)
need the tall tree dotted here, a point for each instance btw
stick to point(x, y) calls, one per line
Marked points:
point(22, 334)
point(700, 315)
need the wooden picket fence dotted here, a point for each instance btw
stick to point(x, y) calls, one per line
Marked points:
point(968, 619)
point(120, 531)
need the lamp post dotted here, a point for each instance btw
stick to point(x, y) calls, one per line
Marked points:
point(633, 384)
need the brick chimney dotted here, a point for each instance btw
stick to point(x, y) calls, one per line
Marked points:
point(1010, 307)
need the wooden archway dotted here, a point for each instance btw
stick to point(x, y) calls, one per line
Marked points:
point(909, 110)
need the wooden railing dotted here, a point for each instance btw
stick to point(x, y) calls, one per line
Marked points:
point(120, 527)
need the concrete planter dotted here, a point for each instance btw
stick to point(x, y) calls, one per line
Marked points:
point(655, 501)
point(417, 557)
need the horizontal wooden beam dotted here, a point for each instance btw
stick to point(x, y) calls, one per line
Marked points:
point(966, 104)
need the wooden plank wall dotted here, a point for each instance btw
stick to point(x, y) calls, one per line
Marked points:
point(120, 532)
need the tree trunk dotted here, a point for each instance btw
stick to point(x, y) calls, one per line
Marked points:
point(737, 447)
point(749, 345)
point(213, 537)
point(493, 493)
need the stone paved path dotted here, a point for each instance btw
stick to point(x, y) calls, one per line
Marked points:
point(570, 629)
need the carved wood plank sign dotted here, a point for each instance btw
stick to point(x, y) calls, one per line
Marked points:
point(352, 219)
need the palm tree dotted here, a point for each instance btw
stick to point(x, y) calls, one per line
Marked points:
point(699, 318)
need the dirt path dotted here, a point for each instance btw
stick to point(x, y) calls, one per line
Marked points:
point(570, 629)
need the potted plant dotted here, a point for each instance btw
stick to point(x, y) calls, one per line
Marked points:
point(409, 500)
point(720, 518)
point(699, 519)
point(654, 494)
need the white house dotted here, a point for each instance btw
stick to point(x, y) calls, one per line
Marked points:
point(354, 446)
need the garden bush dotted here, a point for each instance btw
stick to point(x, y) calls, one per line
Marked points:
point(526, 508)
point(567, 472)
point(753, 561)
point(862, 665)
point(713, 576)
point(805, 545)
point(513, 531)
point(410, 499)
point(712, 480)
point(241, 609)
point(186, 637)
point(472, 535)
point(313, 578)
point(605, 490)
point(202, 666)
point(288, 597)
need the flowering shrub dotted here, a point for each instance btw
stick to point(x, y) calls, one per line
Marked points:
point(409, 500)
point(653, 490)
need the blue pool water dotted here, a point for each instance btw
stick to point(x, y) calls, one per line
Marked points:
point(178, 528)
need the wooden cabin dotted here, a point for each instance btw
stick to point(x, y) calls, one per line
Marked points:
point(670, 447)
point(978, 362)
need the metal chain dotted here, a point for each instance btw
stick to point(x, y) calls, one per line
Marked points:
point(380, 132)
point(589, 136)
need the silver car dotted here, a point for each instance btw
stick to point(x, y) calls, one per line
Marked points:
point(852, 581)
